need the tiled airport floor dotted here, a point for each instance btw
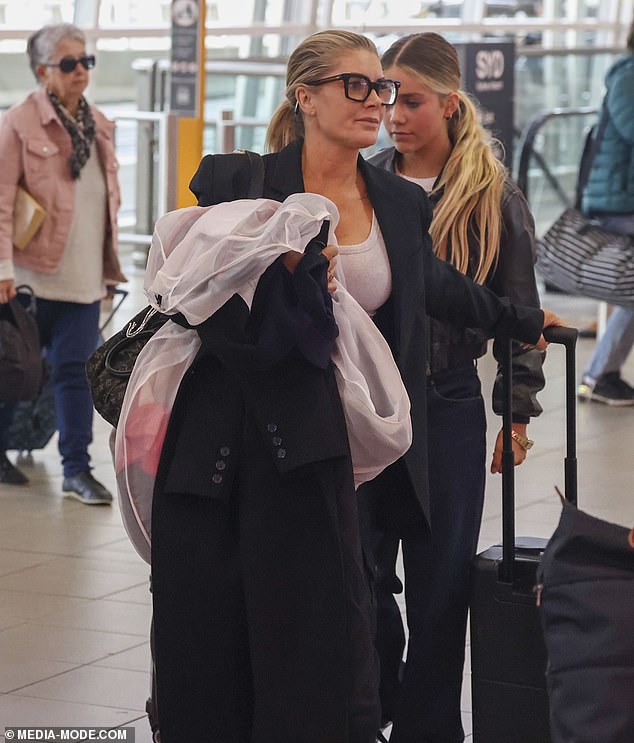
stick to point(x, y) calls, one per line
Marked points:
point(74, 600)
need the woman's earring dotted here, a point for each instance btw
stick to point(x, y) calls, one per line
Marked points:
point(296, 109)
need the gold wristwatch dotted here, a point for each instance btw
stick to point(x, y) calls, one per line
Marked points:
point(521, 440)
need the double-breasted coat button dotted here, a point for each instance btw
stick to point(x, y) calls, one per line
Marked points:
point(220, 465)
point(281, 453)
point(216, 479)
point(272, 427)
point(225, 451)
point(277, 440)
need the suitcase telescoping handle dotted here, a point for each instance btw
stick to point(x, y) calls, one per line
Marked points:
point(568, 338)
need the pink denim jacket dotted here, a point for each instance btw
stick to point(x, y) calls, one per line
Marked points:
point(34, 152)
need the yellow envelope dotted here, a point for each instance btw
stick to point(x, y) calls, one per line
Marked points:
point(28, 215)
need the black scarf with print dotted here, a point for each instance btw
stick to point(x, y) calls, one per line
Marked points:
point(81, 129)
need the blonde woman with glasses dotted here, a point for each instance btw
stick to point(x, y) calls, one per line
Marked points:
point(262, 611)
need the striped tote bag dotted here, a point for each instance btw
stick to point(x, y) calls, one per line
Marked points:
point(580, 257)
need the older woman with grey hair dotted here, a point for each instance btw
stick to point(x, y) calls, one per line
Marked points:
point(61, 150)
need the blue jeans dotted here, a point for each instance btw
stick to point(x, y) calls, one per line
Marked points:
point(616, 343)
point(69, 331)
point(614, 346)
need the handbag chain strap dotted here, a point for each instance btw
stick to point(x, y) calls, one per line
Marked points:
point(134, 329)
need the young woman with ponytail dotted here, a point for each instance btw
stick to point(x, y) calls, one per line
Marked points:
point(481, 225)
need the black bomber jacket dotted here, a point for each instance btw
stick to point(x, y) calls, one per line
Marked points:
point(513, 277)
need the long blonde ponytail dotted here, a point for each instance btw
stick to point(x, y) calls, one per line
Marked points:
point(285, 126)
point(472, 182)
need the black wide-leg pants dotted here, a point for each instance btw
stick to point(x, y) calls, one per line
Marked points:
point(423, 697)
point(261, 609)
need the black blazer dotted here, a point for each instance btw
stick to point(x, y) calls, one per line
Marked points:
point(422, 284)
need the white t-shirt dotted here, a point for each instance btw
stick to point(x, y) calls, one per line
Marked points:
point(366, 270)
point(425, 183)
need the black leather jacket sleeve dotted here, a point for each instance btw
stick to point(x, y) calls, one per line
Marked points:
point(515, 278)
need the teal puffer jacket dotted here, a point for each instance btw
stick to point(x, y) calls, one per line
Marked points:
point(610, 186)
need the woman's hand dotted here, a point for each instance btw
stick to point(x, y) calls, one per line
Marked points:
point(292, 258)
point(7, 290)
point(550, 318)
point(331, 252)
point(519, 453)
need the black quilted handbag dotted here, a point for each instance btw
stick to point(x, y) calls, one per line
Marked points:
point(110, 366)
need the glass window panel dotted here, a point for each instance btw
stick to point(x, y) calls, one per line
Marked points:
point(375, 11)
point(513, 8)
point(19, 14)
point(142, 13)
point(442, 9)
point(229, 12)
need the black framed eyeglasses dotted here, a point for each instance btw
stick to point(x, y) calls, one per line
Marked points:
point(358, 87)
point(69, 64)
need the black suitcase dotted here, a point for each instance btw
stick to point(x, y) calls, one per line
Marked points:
point(508, 654)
